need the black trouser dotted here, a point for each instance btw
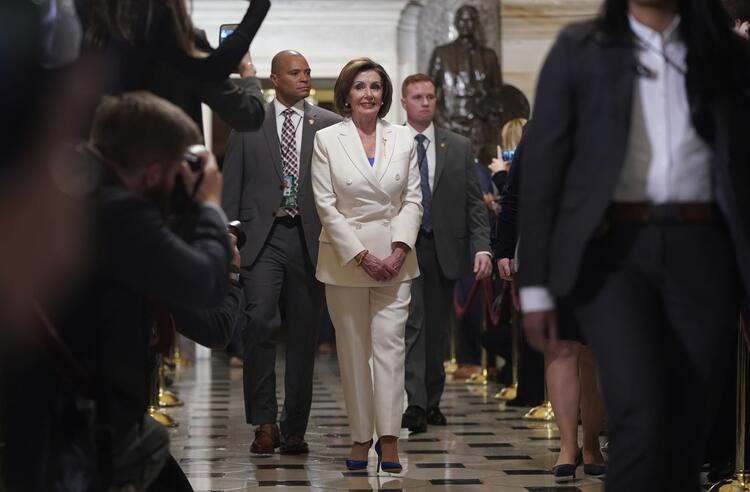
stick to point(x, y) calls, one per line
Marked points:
point(657, 304)
point(281, 271)
point(171, 478)
point(427, 328)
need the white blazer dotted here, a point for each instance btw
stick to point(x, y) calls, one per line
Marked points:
point(362, 206)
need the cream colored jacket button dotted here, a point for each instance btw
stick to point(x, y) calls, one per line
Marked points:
point(348, 181)
point(397, 177)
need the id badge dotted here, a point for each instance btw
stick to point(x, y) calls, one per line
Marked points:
point(289, 192)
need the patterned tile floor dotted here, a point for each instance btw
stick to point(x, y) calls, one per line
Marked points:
point(485, 446)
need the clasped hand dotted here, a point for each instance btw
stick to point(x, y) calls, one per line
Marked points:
point(386, 269)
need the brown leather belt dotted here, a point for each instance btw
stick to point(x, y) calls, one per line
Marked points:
point(649, 213)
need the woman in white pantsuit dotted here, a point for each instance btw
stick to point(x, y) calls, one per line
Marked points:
point(366, 185)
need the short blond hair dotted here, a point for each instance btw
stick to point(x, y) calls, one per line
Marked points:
point(511, 133)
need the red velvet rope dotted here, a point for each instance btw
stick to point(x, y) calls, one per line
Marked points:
point(163, 339)
point(487, 288)
point(60, 357)
point(745, 329)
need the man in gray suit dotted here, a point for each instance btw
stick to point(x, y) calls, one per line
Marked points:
point(267, 187)
point(454, 225)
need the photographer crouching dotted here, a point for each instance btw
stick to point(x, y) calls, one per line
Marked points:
point(137, 150)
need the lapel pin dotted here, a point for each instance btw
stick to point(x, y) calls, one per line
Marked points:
point(385, 140)
point(311, 121)
point(442, 145)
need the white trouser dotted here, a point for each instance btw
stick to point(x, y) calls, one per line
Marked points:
point(369, 322)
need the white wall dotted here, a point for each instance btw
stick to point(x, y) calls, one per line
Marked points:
point(328, 32)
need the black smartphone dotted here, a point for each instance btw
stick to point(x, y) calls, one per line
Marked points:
point(225, 30)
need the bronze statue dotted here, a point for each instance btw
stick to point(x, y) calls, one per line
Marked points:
point(471, 97)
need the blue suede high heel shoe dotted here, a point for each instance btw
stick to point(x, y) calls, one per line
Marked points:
point(386, 466)
point(354, 465)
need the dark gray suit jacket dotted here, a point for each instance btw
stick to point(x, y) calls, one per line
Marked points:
point(459, 215)
point(253, 180)
point(576, 150)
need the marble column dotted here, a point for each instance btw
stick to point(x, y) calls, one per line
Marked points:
point(529, 27)
point(408, 43)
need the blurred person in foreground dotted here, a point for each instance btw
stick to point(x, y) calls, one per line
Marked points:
point(137, 149)
point(636, 219)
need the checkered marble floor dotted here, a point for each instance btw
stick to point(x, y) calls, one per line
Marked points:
point(486, 446)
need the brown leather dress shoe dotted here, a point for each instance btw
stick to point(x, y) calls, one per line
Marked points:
point(266, 439)
point(293, 444)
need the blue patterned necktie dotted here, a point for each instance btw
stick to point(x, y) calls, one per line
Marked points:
point(424, 173)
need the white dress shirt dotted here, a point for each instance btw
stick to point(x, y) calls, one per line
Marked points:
point(297, 117)
point(429, 132)
point(666, 161)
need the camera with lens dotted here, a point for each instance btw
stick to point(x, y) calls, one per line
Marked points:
point(193, 157)
point(180, 201)
point(235, 228)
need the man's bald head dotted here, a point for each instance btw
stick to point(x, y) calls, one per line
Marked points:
point(282, 57)
point(290, 76)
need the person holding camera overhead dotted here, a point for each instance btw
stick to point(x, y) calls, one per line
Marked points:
point(154, 46)
point(267, 187)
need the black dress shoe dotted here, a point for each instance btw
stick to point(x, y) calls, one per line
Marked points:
point(436, 417)
point(293, 444)
point(414, 420)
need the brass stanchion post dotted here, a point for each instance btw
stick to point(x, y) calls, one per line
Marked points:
point(177, 358)
point(544, 411)
point(741, 481)
point(153, 404)
point(166, 397)
point(451, 365)
point(511, 392)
